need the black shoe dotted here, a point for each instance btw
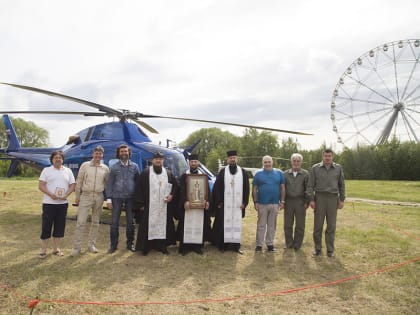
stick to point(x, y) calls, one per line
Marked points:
point(330, 254)
point(165, 251)
point(258, 248)
point(296, 248)
point(183, 252)
point(198, 251)
point(144, 252)
point(112, 250)
point(316, 253)
point(131, 248)
point(287, 246)
point(271, 248)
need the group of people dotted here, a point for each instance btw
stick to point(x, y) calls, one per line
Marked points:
point(154, 198)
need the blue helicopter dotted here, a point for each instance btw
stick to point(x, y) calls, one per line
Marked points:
point(110, 135)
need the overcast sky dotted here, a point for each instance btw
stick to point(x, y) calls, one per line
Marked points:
point(269, 63)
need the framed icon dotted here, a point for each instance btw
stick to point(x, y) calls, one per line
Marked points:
point(59, 192)
point(197, 190)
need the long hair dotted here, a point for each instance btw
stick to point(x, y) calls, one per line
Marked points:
point(123, 146)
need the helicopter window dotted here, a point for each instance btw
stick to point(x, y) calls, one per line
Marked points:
point(108, 132)
point(88, 134)
point(176, 164)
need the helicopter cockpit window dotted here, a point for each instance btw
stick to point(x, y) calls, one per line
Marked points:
point(108, 132)
point(83, 134)
point(74, 140)
point(174, 163)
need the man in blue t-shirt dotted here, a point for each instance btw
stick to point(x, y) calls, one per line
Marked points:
point(268, 193)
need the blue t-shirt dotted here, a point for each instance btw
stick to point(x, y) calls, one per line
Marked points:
point(268, 183)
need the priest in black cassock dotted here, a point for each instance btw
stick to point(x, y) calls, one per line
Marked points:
point(194, 223)
point(230, 198)
point(154, 194)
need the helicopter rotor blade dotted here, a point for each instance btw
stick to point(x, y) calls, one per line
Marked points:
point(145, 125)
point(230, 124)
point(100, 107)
point(136, 116)
point(50, 112)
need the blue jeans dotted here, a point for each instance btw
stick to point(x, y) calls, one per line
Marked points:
point(117, 205)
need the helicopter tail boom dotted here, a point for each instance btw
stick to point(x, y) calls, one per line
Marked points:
point(12, 139)
point(13, 145)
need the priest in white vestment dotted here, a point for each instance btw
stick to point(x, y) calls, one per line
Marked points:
point(154, 195)
point(194, 222)
point(230, 198)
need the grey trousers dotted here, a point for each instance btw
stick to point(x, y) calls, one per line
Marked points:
point(325, 208)
point(294, 209)
point(266, 224)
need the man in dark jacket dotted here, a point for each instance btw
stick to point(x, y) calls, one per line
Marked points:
point(120, 194)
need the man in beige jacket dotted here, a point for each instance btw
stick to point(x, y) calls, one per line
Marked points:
point(90, 185)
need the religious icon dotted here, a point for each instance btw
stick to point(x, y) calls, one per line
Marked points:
point(197, 190)
point(59, 192)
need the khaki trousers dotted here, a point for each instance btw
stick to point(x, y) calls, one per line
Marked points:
point(325, 208)
point(266, 224)
point(294, 209)
point(88, 201)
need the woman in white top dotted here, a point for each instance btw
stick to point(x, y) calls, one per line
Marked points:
point(57, 183)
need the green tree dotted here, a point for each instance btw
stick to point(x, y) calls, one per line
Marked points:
point(29, 135)
point(213, 146)
point(257, 144)
point(287, 148)
point(391, 161)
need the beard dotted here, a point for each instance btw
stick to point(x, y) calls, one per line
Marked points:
point(233, 168)
point(124, 157)
point(157, 169)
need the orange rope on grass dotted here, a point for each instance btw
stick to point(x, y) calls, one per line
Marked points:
point(415, 237)
point(245, 297)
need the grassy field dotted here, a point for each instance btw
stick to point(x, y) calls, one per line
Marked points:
point(384, 190)
point(369, 238)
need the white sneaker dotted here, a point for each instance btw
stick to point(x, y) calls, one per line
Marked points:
point(75, 252)
point(92, 249)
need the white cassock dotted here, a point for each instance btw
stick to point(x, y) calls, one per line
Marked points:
point(193, 224)
point(232, 206)
point(159, 189)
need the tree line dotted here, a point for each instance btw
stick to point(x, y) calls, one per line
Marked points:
point(391, 161)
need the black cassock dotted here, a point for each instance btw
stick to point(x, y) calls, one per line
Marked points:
point(218, 208)
point(141, 200)
point(183, 247)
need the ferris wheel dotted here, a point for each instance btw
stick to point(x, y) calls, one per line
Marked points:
point(378, 96)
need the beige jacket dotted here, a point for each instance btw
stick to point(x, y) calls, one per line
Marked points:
point(91, 178)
